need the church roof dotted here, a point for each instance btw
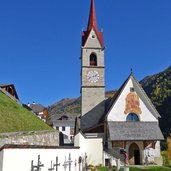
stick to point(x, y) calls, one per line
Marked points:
point(92, 24)
point(92, 17)
point(134, 131)
point(91, 119)
point(37, 108)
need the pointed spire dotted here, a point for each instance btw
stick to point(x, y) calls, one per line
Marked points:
point(92, 23)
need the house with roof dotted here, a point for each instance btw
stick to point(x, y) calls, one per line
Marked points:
point(64, 123)
point(40, 110)
point(9, 90)
point(124, 127)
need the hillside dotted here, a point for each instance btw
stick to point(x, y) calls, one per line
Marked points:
point(70, 106)
point(158, 88)
point(65, 106)
point(14, 117)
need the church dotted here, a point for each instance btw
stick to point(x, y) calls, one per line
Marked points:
point(121, 130)
point(126, 123)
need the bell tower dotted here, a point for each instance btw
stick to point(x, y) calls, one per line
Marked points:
point(92, 67)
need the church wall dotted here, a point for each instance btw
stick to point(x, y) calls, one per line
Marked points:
point(92, 100)
point(20, 159)
point(117, 112)
point(93, 147)
point(157, 154)
point(94, 151)
point(79, 141)
point(154, 155)
point(93, 42)
point(141, 148)
point(85, 81)
point(86, 56)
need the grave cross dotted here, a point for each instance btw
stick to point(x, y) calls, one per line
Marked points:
point(69, 162)
point(56, 164)
point(79, 162)
point(85, 161)
point(33, 167)
point(65, 164)
point(75, 164)
point(51, 168)
point(38, 166)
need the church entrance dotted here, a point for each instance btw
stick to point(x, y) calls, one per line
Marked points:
point(134, 154)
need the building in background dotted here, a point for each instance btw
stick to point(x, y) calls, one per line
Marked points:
point(65, 124)
point(39, 110)
point(9, 90)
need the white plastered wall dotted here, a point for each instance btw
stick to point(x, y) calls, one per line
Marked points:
point(93, 147)
point(1, 160)
point(117, 111)
point(20, 159)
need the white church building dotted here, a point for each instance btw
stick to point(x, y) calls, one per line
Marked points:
point(126, 123)
point(124, 127)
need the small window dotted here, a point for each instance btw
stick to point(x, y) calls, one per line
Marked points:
point(93, 60)
point(132, 117)
point(63, 128)
point(93, 36)
point(132, 89)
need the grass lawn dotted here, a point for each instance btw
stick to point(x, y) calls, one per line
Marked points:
point(14, 117)
point(151, 168)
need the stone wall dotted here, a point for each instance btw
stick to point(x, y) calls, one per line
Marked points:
point(45, 138)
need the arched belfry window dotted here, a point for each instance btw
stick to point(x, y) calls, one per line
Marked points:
point(132, 117)
point(93, 60)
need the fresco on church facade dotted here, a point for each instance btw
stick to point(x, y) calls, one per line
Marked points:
point(132, 103)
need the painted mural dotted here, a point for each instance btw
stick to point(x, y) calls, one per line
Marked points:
point(132, 103)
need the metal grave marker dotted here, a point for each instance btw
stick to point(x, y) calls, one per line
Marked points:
point(51, 167)
point(38, 166)
point(56, 165)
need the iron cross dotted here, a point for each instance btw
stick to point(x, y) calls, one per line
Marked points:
point(56, 164)
point(38, 166)
point(65, 164)
point(51, 167)
point(69, 162)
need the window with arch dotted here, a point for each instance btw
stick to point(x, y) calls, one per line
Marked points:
point(133, 117)
point(93, 60)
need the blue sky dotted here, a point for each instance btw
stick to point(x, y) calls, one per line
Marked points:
point(40, 43)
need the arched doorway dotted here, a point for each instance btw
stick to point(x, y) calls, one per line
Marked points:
point(134, 154)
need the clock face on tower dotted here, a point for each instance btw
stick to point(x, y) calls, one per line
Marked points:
point(93, 76)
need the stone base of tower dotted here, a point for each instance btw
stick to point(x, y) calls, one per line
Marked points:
point(91, 100)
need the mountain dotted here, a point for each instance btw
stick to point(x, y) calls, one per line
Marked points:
point(65, 106)
point(157, 87)
point(15, 118)
point(70, 105)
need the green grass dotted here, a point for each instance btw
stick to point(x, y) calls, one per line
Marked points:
point(103, 169)
point(15, 118)
point(151, 168)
